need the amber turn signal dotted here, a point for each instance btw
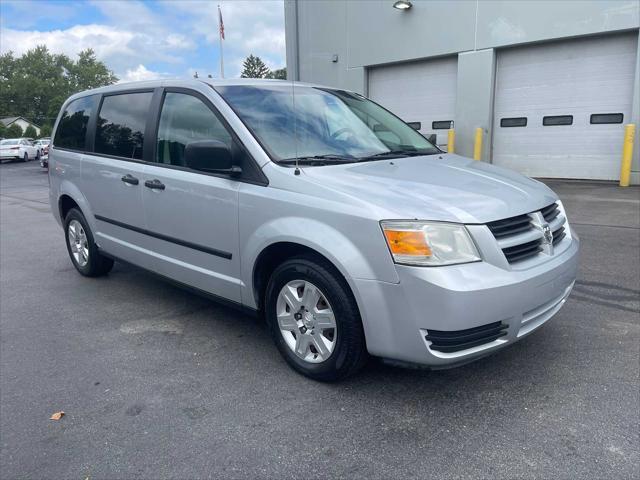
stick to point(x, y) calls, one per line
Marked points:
point(403, 242)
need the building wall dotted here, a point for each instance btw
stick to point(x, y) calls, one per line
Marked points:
point(366, 33)
point(24, 124)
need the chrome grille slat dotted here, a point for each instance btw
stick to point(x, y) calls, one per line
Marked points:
point(520, 252)
point(510, 226)
point(520, 237)
point(513, 240)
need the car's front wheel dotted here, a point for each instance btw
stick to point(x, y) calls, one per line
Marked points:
point(26, 157)
point(314, 319)
point(82, 249)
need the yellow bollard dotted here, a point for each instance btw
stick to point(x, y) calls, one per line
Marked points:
point(451, 141)
point(477, 146)
point(627, 152)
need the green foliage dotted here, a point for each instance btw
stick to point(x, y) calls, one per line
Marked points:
point(278, 74)
point(254, 67)
point(36, 84)
point(30, 132)
point(14, 131)
point(45, 130)
point(3, 131)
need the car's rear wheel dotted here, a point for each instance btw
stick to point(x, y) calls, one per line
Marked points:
point(26, 157)
point(314, 319)
point(82, 249)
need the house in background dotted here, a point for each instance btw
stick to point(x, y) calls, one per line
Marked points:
point(22, 122)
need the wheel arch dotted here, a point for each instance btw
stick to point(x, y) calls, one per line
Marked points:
point(69, 196)
point(277, 253)
point(66, 203)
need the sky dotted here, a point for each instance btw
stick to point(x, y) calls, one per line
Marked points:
point(146, 39)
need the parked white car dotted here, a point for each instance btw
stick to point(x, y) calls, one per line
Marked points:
point(18, 148)
point(43, 146)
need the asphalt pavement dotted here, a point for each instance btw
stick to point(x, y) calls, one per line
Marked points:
point(156, 382)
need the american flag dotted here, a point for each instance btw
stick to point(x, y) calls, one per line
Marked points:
point(220, 23)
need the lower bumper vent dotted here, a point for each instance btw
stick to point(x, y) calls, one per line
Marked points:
point(454, 341)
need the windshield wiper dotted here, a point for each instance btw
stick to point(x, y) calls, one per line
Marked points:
point(395, 154)
point(319, 159)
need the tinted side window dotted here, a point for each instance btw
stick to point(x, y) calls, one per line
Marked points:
point(186, 119)
point(72, 128)
point(121, 124)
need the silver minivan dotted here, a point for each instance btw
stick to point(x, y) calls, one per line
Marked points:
point(316, 208)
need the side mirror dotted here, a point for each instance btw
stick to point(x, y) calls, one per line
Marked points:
point(433, 138)
point(210, 156)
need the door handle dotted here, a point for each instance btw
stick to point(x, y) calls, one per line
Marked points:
point(154, 184)
point(131, 180)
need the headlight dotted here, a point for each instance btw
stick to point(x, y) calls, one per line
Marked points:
point(429, 243)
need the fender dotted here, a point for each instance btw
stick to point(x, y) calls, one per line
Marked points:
point(325, 239)
point(70, 189)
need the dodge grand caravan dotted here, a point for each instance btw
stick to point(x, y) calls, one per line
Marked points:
point(340, 224)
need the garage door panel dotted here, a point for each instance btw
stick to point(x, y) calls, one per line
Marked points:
point(422, 92)
point(579, 78)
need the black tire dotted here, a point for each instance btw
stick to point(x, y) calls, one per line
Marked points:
point(26, 157)
point(38, 155)
point(97, 264)
point(350, 353)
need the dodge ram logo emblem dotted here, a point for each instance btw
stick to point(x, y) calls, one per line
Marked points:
point(546, 232)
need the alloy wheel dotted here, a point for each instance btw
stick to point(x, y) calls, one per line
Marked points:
point(306, 321)
point(78, 243)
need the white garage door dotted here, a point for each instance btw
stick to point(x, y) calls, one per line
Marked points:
point(560, 108)
point(422, 92)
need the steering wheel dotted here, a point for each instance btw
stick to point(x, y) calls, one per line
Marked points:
point(342, 131)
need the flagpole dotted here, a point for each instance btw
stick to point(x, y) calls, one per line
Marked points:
point(220, 38)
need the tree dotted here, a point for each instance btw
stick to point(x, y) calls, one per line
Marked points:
point(45, 131)
point(14, 131)
point(30, 132)
point(36, 84)
point(278, 74)
point(3, 130)
point(254, 67)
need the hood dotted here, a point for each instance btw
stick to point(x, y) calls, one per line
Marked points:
point(435, 187)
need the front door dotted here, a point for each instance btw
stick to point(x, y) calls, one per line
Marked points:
point(191, 217)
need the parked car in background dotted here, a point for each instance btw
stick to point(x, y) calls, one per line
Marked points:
point(43, 145)
point(329, 216)
point(18, 149)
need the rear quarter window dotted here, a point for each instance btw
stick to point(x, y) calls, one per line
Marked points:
point(72, 128)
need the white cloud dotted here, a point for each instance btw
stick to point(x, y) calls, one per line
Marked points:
point(118, 48)
point(251, 27)
point(168, 35)
point(141, 73)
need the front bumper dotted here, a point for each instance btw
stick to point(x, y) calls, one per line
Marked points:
point(397, 317)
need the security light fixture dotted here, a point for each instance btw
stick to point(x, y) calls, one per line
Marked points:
point(402, 5)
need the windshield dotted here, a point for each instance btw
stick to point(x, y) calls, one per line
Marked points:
point(321, 123)
point(9, 142)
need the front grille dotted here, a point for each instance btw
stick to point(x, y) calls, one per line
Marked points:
point(521, 237)
point(550, 213)
point(457, 340)
point(510, 226)
point(522, 251)
point(558, 235)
